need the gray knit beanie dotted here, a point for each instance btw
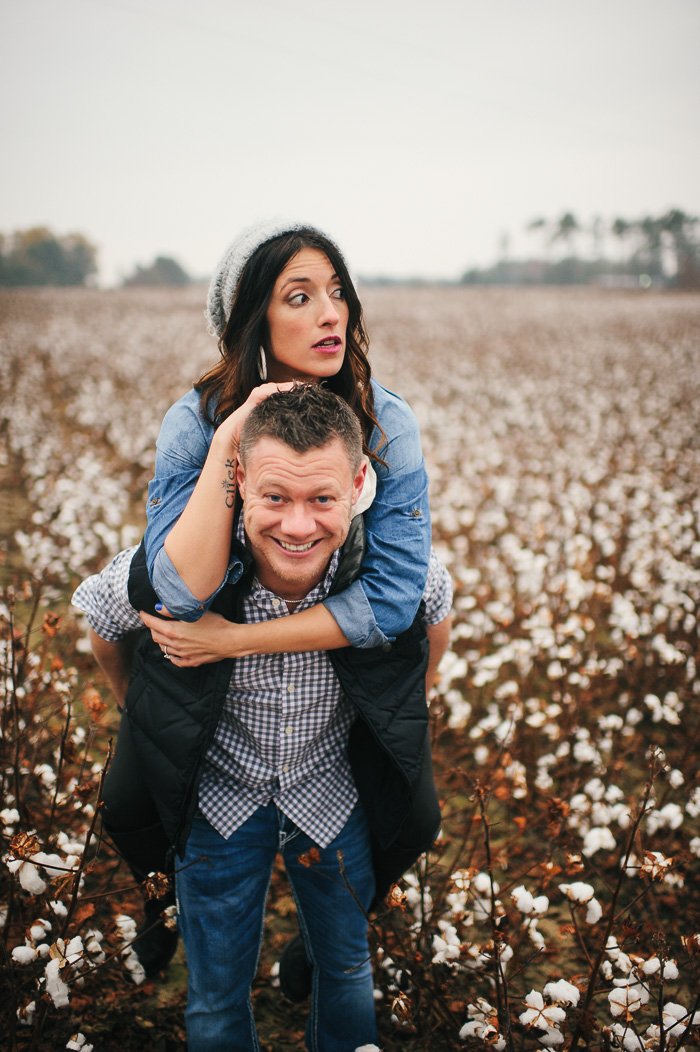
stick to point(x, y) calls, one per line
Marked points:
point(224, 282)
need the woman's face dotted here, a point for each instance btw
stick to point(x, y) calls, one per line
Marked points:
point(307, 320)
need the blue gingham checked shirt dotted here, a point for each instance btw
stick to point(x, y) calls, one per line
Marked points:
point(284, 728)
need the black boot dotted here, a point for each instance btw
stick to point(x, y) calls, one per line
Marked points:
point(295, 971)
point(148, 851)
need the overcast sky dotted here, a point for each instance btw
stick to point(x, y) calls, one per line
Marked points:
point(417, 134)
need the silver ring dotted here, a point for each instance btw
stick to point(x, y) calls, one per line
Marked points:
point(165, 652)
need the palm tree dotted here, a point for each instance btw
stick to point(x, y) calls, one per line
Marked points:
point(681, 230)
point(567, 226)
point(620, 229)
point(651, 253)
point(540, 225)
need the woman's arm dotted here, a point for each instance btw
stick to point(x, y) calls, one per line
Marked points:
point(375, 608)
point(213, 637)
point(199, 542)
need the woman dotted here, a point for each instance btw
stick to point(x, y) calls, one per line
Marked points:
point(284, 307)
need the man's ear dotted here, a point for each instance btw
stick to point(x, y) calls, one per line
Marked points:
point(359, 482)
point(240, 479)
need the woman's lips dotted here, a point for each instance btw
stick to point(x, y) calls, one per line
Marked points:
point(329, 345)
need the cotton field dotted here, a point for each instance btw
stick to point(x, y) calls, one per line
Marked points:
point(561, 905)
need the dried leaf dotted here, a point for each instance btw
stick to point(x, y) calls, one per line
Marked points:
point(50, 625)
point(401, 1007)
point(156, 885)
point(93, 703)
point(24, 845)
point(310, 858)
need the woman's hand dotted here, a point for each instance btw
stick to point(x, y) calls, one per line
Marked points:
point(213, 637)
point(189, 645)
point(199, 543)
point(231, 428)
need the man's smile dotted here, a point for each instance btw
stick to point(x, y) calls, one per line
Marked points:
point(295, 547)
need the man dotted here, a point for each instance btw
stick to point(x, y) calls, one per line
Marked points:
point(321, 756)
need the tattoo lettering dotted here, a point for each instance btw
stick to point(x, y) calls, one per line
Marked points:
point(229, 483)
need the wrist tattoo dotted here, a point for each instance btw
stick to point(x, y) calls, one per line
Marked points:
point(229, 483)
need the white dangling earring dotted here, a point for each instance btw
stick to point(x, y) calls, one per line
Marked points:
point(262, 364)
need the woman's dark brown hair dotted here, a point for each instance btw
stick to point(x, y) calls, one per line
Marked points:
point(227, 385)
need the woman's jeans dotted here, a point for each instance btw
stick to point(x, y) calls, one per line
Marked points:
point(221, 889)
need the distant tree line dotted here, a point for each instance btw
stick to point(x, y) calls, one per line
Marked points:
point(163, 271)
point(653, 250)
point(38, 257)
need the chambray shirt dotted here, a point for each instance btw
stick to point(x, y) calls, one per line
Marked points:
point(284, 728)
point(384, 600)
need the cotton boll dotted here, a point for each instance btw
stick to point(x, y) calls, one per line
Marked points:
point(9, 818)
point(551, 1038)
point(628, 998)
point(24, 954)
point(74, 950)
point(482, 884)
point(594, 912)
point(55, 987)
point(26, 1014)
point(578, 891)
point(538, 1014)
point(594, 789)
point(78, 1043)
point(598, 839)
point(675, 1019)
point(133, 966)
point(536, 937)
point(29, 878)
point(522, 900)
point(38, 929)
point(625, 1037)
point(562, 992)
point(693, 804)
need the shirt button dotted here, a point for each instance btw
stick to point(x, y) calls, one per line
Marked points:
point(287, 730)
point(290, 689)
point(275, 603)
point(285, 769)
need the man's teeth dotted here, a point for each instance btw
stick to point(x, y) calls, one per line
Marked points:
point(296, 547)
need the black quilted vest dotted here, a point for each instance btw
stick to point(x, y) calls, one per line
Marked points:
point(174, 713)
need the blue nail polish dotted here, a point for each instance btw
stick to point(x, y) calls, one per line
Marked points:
point(159, 607)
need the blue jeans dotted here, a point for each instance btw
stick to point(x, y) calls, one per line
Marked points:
point(221, 906)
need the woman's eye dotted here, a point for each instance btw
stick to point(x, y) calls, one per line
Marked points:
point(298, 299)
point(338, 294)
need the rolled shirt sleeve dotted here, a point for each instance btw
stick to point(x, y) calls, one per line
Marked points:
point(104, 599)
point(383, 602)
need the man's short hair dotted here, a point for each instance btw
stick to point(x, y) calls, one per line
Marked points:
point(309, 416)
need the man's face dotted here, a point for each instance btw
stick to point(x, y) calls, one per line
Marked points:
point(296, 511)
